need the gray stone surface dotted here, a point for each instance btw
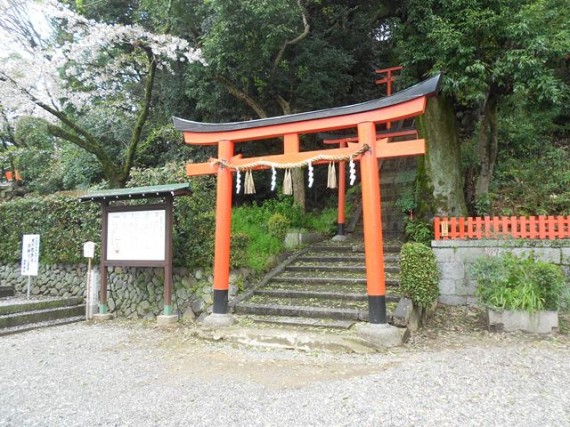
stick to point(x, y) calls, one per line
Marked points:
point(133, 292)
point(541, 322)
point(381, 335)
point(217, 320)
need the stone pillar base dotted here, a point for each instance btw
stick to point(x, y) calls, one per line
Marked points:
point(217, 320)
point(102, 317)
point(166, 320)
point(381, 335)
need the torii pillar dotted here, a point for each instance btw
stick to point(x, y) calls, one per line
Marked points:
point(405, 104)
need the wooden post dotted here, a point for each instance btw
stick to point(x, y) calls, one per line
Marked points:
point(223, 229)
point(372, 216)
point(168, 258)
point(341, 219)
point(103, 307)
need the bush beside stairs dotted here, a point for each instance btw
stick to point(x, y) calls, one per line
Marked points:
point(21, 315)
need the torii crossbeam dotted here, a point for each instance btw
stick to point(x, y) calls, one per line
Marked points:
point(367, 149)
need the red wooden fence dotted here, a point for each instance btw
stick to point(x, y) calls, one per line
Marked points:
point(534, 227)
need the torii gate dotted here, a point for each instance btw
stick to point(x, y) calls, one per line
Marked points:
point(367, 149)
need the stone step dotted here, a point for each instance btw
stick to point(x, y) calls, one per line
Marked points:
point(328, 294)
point(390, 248)
point(345, 259)
point(301, 311)
point(330, 280)
point(322, 268)
point(20, 305)
point(321, 323)
point(40, 325)
point(326, 268)
point(23, 318)
point(6, 291)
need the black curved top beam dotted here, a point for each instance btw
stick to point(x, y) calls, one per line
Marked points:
point(426, 88)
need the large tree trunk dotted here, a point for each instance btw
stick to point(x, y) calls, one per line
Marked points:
point(440, 178)
point(487, 146)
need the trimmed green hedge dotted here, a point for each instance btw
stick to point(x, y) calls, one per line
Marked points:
point(63, 223)
point(419, 274)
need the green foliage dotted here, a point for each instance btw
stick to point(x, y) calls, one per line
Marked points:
point(407, 202)
point(418, 231)
point(63, 223)
point(239, 244)
point(419, 274)
point(277, 225)
point(514, 283)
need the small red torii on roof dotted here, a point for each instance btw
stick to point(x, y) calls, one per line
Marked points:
point(367, 148)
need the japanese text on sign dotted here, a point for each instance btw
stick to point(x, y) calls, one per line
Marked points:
point(30, 254)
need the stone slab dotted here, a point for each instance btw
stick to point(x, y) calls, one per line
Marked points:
point(541, 322)
point(382, 335)
point(102, 317)
point(166, 320)
point(288, 339)
point(217, 320)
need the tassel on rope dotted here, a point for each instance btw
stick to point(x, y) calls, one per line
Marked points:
point(273, 178)
point(311, 175)
point(352, 171)
point(331, 179)
point(238, 181)
point(287, 183)
point(249, 185)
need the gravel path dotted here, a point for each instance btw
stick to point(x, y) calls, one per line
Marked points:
point(127, 374)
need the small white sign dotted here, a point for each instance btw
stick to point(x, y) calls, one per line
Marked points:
point(30, 254)
point(89, 249)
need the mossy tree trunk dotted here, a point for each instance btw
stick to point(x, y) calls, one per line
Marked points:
point(487, 146)
point(440, 178)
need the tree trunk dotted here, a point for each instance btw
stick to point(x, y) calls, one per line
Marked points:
point(440, 179)
point(298, 178)
point(487, 146)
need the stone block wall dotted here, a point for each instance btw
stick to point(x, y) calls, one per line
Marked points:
point(133, 292)
point(455, 257)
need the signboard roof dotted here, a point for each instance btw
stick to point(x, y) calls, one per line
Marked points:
point(137, 192)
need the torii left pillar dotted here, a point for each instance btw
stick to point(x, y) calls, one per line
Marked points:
point(222, 242)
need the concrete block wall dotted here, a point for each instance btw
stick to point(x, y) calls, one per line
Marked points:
point(455, 257)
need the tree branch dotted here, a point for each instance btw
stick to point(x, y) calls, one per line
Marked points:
point(142, 118)
point(233, 90)
point(299, 38)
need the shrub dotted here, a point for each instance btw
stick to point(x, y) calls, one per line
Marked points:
point(277, 225)
point(418, 231)
point(419, 275)
point(514, 283)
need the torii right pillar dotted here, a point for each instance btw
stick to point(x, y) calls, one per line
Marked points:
point(372, 217)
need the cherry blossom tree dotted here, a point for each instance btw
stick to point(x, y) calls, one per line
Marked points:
point(92, 81)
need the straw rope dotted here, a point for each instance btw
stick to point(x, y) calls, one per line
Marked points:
point(317, 158)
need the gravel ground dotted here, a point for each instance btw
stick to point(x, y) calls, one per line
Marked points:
point(132, 374)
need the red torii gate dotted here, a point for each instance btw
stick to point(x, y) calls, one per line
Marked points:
point(367, 149)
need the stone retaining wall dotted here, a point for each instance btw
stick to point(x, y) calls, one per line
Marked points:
point(455, 258)
point(134, 292)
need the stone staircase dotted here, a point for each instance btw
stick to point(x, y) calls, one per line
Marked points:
point(321, 286)
point(325, 285)
point(21, 315)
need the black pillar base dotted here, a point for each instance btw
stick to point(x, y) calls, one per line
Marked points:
point(220, 301)
point(376, 309)
point(339, 229)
